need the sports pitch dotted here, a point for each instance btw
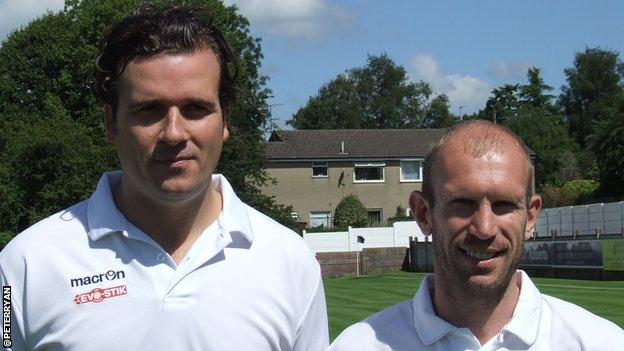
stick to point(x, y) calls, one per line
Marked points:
point(349, 300)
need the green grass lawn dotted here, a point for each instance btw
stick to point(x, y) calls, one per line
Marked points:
point(349, 300)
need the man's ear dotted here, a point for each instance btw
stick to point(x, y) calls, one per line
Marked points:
point(109, 123)
point(421, 211)
point(533, 210)
point(226, 132)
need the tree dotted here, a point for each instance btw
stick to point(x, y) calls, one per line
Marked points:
point(597, 74)
point(350, 212)
point(502, 105)
point(52, 148)
point(437, 114)
point(547, 136)
point(528, 111)
point(378, 95)
point(608, 144)
point(534, 93)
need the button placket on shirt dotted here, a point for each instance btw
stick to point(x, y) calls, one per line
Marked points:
point(202, 251)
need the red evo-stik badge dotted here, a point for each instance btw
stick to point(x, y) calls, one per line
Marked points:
point(98, 294)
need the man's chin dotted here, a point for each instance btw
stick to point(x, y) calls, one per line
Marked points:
point(488, 285)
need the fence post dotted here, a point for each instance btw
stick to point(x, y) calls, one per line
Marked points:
point(349, 238)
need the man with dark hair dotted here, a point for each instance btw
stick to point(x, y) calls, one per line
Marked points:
point(164, 256)
point(479, 207)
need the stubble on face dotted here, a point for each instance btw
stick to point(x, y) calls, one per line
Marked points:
point(460, 284)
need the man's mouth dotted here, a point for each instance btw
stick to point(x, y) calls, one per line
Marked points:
point(483, 255)
point(480, 255)
point(174, 159)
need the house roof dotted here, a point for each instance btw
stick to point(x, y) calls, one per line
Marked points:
point(358, 143)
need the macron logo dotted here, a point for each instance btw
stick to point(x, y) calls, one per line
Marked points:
point(98, 295)
point(97, 278)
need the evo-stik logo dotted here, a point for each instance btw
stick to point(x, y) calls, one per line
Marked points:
point(97, 278)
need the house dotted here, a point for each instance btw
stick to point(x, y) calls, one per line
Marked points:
point(315, 169)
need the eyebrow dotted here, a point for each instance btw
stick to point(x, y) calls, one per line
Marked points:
point(151, 102)
point(448, 197)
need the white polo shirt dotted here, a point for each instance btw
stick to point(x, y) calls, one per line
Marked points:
point(87, 279)
point(539, 322)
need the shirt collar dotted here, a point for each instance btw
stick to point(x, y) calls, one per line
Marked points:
point(104, 218)
point(234, 217)
point(429, 327)
point(524, 323)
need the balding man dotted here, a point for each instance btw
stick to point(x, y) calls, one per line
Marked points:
point(479, 206)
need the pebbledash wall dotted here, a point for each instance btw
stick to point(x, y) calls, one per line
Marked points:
point(386, 249)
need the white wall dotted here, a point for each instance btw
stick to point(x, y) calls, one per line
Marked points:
point(395, 236)
point(608, 217)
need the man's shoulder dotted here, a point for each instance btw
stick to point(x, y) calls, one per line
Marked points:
point(45, 234)
point(389, 329)
point(582, 322)
point(267, 229)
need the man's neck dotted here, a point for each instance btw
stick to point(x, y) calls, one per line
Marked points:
point(485, 316)
point(174, 225)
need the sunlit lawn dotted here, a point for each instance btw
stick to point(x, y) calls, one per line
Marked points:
point(349, 300)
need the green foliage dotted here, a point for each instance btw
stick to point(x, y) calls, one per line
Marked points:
point(582, 189)
point(502, 105)
point(608, 145)
point(52, 148)
point(399, 215)
point(350, 212)
point(527, 110)
point(597, 74)
point(546, 135)
point(378, 95)
point(556, 196)
point(534, 92)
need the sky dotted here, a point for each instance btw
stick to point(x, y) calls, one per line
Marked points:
point(463, 49)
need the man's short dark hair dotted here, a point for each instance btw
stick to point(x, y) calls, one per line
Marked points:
point(169, 30)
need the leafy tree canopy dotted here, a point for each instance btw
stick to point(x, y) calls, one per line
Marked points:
point(378, 95)
point(528, 111)
point(52, 149)
point(596, 74)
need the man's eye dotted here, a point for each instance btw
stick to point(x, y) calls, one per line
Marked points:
point(462, 202)
point(149, 109)
point(504, 206)
point(196, 110)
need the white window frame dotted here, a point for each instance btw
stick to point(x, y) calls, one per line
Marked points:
point(420, 171)
point(371, 165)
point(320, 164)
point(327, 214)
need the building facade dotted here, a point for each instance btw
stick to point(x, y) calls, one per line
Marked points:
point(315, 169)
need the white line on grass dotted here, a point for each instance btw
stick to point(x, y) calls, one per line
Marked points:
point(578, 287)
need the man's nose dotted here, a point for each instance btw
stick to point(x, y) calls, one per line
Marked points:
point(174, 127)
point(483, 224)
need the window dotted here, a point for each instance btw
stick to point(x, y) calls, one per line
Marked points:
point(368, 173)
point(319, 169)
point(374, 217)
point(318, 219)
point(294, 215)
point(411, 171)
